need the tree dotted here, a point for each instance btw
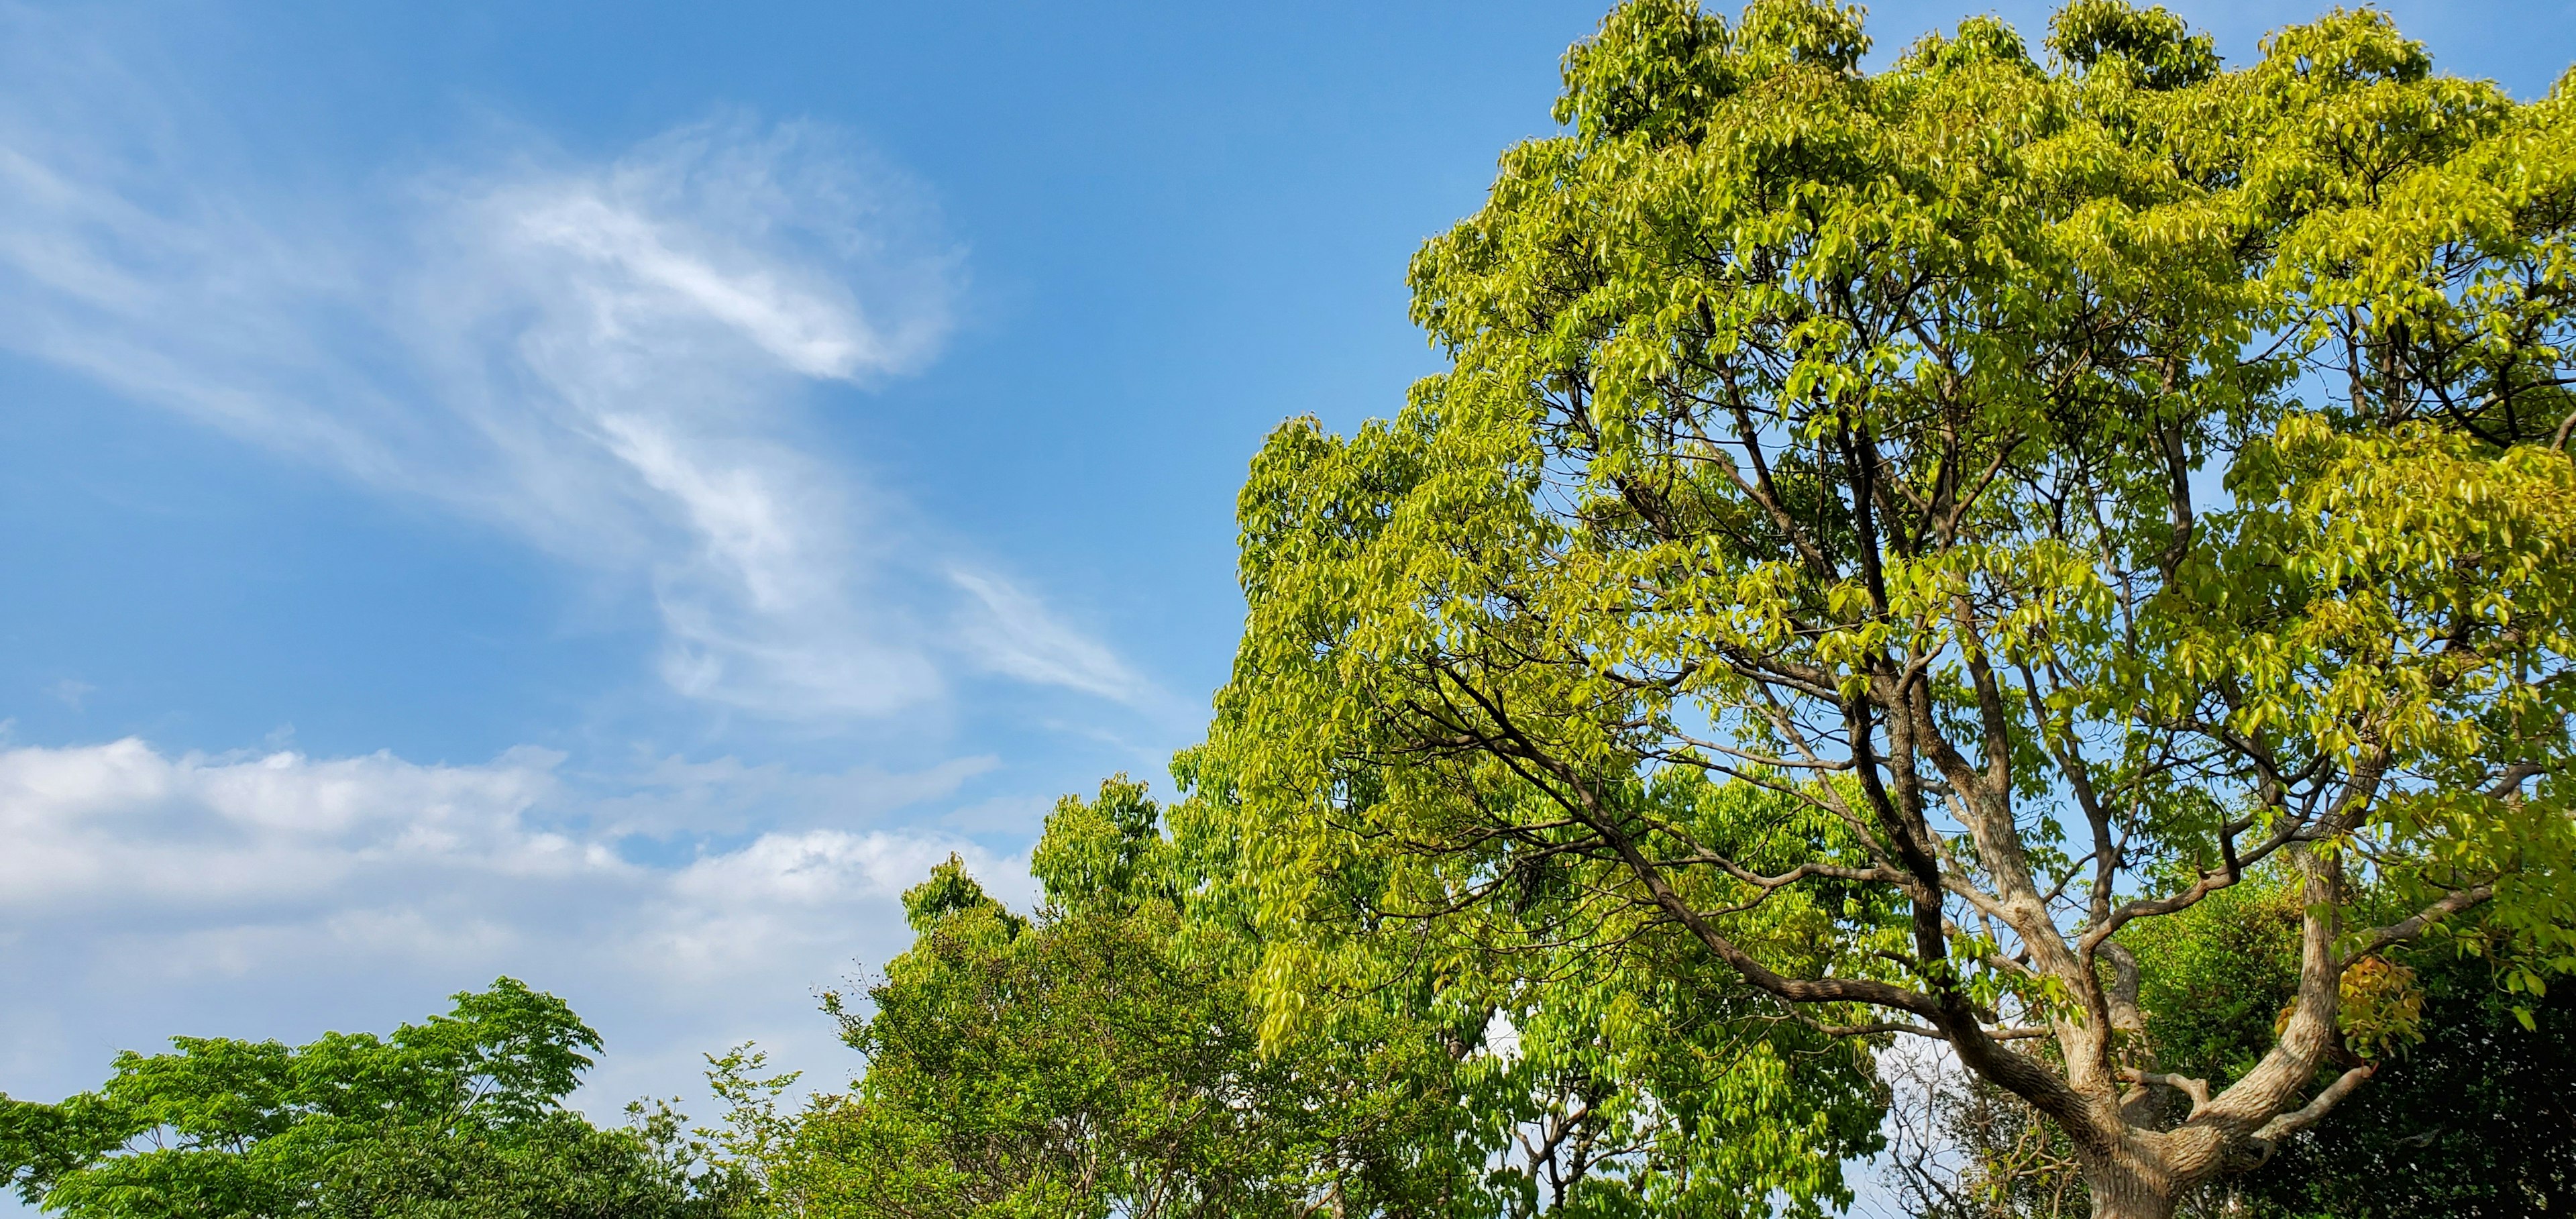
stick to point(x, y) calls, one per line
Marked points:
point(458, 1116)
point(1102, 1057)
point(2074, 484)
point(1078, 1064)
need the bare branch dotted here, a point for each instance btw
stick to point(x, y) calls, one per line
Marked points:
point(2408, 928)
point(2306, 1115)
point(2196, 1089)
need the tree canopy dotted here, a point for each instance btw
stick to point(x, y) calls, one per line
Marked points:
point(2060, 485)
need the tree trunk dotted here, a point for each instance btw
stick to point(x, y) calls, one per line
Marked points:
point(2129, 1182)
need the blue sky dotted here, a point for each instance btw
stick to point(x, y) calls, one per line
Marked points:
point(610, 493)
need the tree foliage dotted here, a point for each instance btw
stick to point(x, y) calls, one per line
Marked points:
point(1102, 1057)
point(460, 1115)
point(2475, 1121)
point(1077, 1064)
point(2469, 1112)
point(2063, 486)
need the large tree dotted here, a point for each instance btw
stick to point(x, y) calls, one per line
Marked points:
point(2076, 481)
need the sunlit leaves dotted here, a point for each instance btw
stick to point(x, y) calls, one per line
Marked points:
point(2066, 481)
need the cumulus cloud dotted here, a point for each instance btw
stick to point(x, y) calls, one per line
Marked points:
point(108, 830)
point(793, 894)
point(616, 359)
point(146, 885)
point(103, 835)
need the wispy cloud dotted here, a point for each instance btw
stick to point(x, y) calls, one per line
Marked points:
point(663, 796)
point(71, 692)
point(1012, 633)
point(615, 359)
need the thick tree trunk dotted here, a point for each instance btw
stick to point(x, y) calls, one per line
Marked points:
point(2129, 1182)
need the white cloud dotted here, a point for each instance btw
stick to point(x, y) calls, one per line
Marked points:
point(614, 359)
point(148, 887)
point(794, 894)
point(119, 827)
point(239, 839)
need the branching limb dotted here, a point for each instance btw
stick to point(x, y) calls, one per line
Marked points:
point(2000, 1033)
point(2307, 1115)
point(2410, 927)
point(2196, 1089)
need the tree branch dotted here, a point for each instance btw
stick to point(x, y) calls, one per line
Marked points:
point(2408, 928)
point(2196, 1089)
point(2306, 1115)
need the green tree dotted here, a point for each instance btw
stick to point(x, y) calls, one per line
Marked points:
point(2074, 483)
point(2478, 1120)
point(1102, 1057)
point(2474, 1102)
point(1665, 1089)
point(460, 1115)
point(2469, 1112)
point(1078, 1064)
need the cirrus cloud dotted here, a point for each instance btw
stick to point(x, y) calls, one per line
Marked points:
point(619, 360)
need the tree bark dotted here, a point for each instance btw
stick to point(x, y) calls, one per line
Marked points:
point(2128, 1181)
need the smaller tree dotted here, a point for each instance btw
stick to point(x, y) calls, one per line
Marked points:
point(459, 1115)
point(1085, 1063)
point(1609, 1066)
point(2468, 1112)
point(1102, 1057)
point(2475, 1121)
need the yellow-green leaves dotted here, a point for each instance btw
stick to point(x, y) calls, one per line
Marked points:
point(2151, 48)
point(2054, 489)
